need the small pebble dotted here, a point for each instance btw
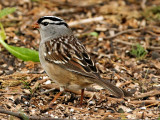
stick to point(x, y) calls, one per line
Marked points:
point(47, 113)
point(100, 39)
point(71, 110)
point(26, 102)
point(27, 91)
point(4, 65)
point(45, 77)
point(47, 82)
point(143, 108)
point(33, 111)
point(10, 68)
point(91, 102)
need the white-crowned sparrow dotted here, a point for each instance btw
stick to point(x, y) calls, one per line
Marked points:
point(66, 60)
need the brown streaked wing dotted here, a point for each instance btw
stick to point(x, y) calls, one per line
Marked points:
point(72, 56)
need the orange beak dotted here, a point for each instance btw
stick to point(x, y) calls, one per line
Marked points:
point(36, 25)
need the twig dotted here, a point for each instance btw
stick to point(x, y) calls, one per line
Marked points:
point(143, 4)
point(47, 91)
point(146, 102)
point(131, 44)
point(153, 48)
point(152, 33)
point(65, 11)
point(85, 21)
point(39, 82)
point(126, 83)
point(11, 94)
point(125, 31)
point(115, 99)
point(117, 75)
point(23, 116)
point(132, 30)
point(124, 42)
point(150, 93)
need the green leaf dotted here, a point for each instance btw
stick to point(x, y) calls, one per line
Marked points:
point(6, 11)
point(24, 54)
point(95, 34)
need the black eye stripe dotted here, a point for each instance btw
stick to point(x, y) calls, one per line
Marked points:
point(45, 23)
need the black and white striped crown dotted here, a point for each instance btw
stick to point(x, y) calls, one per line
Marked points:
point(52, 20)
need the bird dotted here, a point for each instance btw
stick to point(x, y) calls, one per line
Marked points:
point(66, 60)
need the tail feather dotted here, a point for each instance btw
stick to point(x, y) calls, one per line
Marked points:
point(117, 92)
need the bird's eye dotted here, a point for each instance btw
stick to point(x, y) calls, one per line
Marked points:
point(45, 23)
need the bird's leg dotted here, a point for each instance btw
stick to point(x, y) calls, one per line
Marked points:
point(56, 96)
point(82, 93)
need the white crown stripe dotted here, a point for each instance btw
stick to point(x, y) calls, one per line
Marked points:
point(53, 17)
point(48, 20)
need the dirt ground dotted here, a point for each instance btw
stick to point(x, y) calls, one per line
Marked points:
point(122, 37)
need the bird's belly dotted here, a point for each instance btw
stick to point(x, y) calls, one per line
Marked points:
point(65, 78)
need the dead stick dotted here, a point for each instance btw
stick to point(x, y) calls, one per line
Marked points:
point(23, 116)
point(147, 94)
point(123, 32)
point(131, 30)
point(146, 102)
point(66, 11)
point(131, 44)
point(85, 21)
